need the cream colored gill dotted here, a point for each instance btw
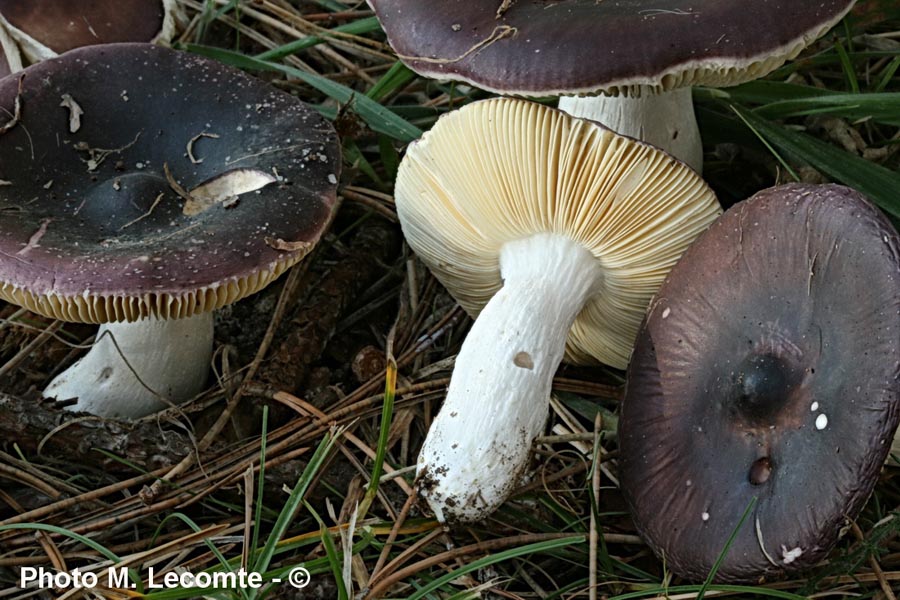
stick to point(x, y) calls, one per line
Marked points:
point(504, 169)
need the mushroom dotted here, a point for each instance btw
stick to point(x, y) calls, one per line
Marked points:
point(765, 375)
point(555, 232)
point(186, 186)
point(645, 55)
point(46, 28)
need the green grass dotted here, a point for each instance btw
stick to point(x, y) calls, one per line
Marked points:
point(756, 135)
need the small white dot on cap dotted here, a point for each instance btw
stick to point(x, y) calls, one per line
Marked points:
point(821, 422)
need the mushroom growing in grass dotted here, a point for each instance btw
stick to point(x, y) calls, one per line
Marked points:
point(644, 54)
point(555, 232)
point(144, 188)
point(46, 28)
point(765, 378)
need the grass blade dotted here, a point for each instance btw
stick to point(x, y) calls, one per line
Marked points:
point(387, 411)
point(876, 182)
point(331, 553)
point(724, 552)
point(357, 27)
point(379, 118)
point(293, 502)
point(257, 517)
point(396, 77)
point(496, 558)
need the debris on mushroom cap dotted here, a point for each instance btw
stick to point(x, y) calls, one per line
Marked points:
point(46, 28)
point(766, 369)
point(502, 169)
point(535, 47)
point(109, 240)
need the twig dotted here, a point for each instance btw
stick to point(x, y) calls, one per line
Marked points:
point(85, 498)
point(33, 345)
point(594, 539)
point(17, 109)
point(190, 145)
point(145, 215)
point(28, 479)
point(480, 548)
point(401, 518)
point(176, 187)
point(873, 562)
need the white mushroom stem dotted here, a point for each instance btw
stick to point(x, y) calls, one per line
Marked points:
point(497, 403)
point(135, 369)
point(664, 119)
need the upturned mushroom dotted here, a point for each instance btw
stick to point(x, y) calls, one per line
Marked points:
point(555, 232)
point(44, 29)
point(144, 188)
point(765, 376)
point(628, 65)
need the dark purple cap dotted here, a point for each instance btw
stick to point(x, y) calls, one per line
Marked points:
point(91, 227)
point(768, 368)
point(536, 47)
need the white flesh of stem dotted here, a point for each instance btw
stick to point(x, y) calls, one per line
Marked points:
point(497, 403)
point(164, 364)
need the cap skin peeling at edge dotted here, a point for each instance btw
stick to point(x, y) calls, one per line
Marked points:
point(768, 368)
point(547, 227)
point(523, 56)
point(90, 245)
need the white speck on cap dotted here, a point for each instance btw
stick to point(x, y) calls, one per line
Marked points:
point(705, 516)
point(666, 313)
point(821, 422)
point(814, 407)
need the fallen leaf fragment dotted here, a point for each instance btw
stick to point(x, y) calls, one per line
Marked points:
point(224, 188)
point(282, 245)
point(75, 112)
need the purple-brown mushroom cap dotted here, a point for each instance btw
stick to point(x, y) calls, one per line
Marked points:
point(767, 368)
point(541, 47)
point(92, 229)
point(62, 25)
